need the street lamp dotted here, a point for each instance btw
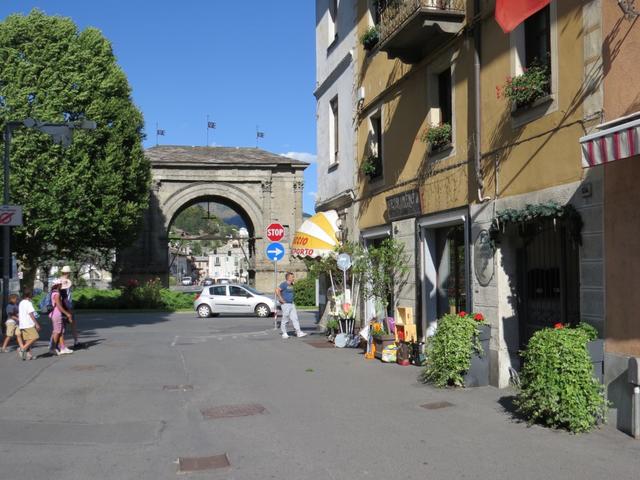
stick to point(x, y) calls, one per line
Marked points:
point(61, 133)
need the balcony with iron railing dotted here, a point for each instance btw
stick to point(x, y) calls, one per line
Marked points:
point(409, 29)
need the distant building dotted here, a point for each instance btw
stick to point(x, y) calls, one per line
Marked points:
point(229, 261)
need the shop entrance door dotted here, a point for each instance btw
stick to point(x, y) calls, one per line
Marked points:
point(549, 278)
point(445, 274)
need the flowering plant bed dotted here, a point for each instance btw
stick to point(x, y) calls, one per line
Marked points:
point(450, 350)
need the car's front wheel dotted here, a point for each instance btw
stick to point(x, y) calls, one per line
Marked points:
point(262, 310)
point(204, 311)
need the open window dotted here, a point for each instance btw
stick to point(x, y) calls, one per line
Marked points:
point(440, 133)
point(334, 137)
point(375, 149)
point(333, 21)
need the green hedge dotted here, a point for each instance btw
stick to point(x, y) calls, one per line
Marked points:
point(149, 297)
point(304, 292)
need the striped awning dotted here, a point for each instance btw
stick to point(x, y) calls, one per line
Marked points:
point(316, 237)
point(620, 141)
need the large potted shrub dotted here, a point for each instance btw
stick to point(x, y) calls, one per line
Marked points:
point(558, 388)
point(457, 353)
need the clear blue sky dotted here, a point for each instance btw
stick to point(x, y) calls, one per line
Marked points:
point(245, 63)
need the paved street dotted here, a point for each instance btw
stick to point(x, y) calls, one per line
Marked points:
point(136, 401)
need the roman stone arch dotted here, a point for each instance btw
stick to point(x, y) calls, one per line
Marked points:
point(262, 187)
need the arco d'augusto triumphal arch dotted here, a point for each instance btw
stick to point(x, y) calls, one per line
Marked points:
point(261, 187)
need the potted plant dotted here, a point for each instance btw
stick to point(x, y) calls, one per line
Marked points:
point(457, 353)
point(558, 388)
point(437, 136)
point(524, 89)
point(332, 327)
point(370, 38)
point(382, 337)
point(369, 166)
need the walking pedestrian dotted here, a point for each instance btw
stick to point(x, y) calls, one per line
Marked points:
point(29, 326)
point(57, 321)
point(66, 295)
point(284, 294)
point(12, 324)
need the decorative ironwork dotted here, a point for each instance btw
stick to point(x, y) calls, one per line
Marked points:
point(629, 9)
point(393, 13)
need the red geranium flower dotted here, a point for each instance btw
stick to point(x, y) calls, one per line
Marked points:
point(463, 313)
point(478, 317)
point(558, 326)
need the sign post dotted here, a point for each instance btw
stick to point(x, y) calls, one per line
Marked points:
point(275, 253)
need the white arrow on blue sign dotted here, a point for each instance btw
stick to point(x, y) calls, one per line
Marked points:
point(275, 252)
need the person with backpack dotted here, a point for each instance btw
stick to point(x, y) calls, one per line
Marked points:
point(58, 324)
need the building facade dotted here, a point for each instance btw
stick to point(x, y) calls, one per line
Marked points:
point(336, 99)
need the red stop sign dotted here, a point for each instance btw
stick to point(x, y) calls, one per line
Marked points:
point(275, 232)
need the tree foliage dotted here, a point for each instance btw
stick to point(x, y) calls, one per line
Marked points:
point(92, 194)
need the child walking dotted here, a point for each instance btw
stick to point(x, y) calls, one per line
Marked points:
point(12, 324)
point(29, 326)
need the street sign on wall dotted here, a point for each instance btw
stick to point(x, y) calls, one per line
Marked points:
point(10, 215)
point(275, 232)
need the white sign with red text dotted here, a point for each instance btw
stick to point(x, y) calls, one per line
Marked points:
point(275, 232)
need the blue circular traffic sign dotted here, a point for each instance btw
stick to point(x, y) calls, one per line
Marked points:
point(275, 251)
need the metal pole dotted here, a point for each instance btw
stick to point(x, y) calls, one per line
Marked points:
point(275, 286)
point(207, 135)
point(6, 230)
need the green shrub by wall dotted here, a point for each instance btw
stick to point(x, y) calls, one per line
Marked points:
point(304, 292)
point(558, 388)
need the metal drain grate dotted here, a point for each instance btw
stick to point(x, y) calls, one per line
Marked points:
point(231, 411)
point(437, 405)
point(85, 368)
point(176, 388)
point(199, 464)
point(320, 344)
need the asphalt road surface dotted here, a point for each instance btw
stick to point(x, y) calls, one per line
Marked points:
point(159, 396)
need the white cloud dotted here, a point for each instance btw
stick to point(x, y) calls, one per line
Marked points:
point(302, 156)
point(313, 195)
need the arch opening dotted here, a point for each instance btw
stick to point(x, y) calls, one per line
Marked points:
point(211, 237)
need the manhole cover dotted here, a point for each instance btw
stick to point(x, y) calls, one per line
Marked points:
point(437, 405)
point(85, 368)
point(230, 411)
point(177, 388)
point(199, 464)
point(321, 344)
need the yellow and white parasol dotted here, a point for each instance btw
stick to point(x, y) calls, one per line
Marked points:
point(316, 237)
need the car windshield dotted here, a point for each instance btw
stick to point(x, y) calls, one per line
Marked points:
point(253, 290)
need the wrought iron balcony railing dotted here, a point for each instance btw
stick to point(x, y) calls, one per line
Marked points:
point(404, 24)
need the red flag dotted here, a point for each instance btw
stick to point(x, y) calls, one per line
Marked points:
point(511, 13)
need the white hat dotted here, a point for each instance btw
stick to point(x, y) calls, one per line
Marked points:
point(57, 281)
point(66, 269)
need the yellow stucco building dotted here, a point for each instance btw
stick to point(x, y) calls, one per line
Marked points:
point(426, 181)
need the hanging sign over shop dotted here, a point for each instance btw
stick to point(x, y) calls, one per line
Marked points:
point(404, 205)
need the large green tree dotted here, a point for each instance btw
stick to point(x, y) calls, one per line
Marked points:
point(91, 195)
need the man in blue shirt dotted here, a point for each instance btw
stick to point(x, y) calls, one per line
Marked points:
point(284, 294)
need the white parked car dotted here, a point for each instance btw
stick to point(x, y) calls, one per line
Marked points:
point(186, 281)
point(234, 299)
